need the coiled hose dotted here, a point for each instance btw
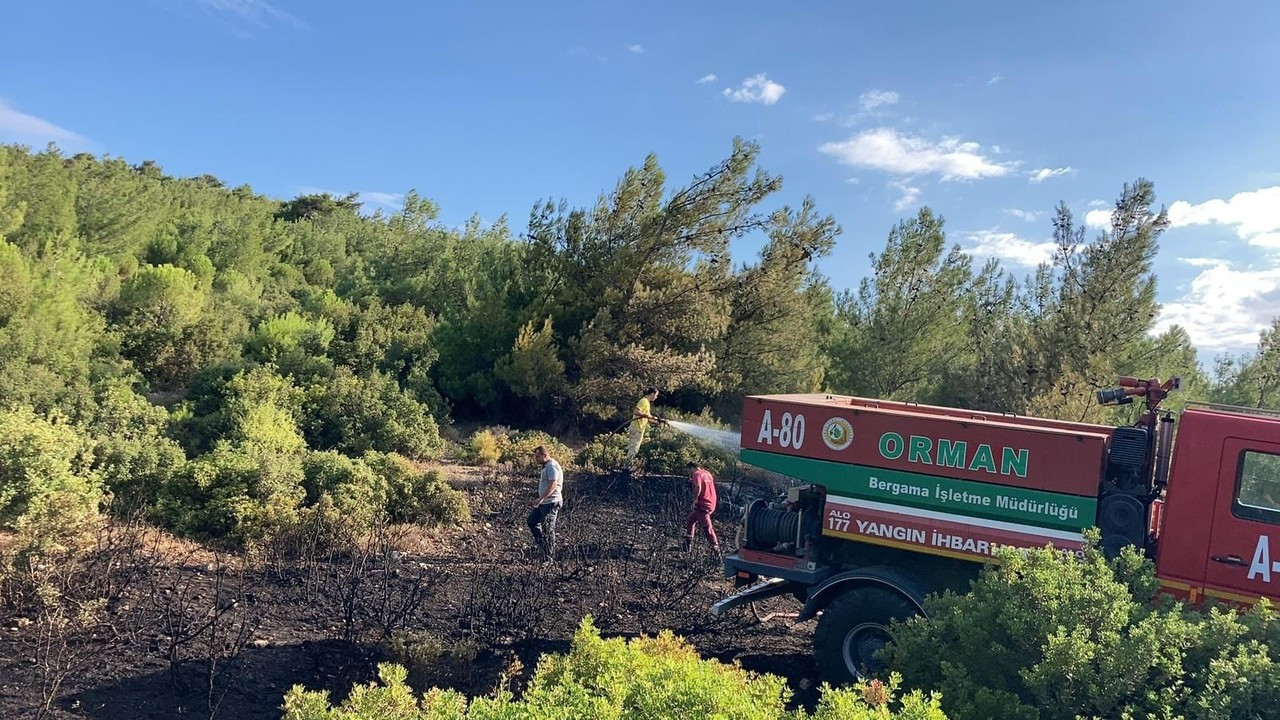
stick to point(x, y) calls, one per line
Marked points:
point(766, 528)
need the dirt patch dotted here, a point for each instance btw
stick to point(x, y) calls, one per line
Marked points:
point(327, 625)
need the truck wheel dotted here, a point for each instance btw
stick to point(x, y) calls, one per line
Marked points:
point(852, 628)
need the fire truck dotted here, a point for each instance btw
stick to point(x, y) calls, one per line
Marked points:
point(894, 501)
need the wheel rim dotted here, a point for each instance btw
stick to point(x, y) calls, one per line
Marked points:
point(860, 646)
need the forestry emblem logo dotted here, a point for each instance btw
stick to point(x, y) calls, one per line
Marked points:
point(837, 433)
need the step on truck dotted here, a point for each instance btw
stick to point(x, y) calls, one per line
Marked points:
point(894, 501)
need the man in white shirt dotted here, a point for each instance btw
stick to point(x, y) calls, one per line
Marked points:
point(542, 520)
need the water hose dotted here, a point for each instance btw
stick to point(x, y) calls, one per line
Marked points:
point(768, 528)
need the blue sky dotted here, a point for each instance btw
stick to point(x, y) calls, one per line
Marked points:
point(989, 113)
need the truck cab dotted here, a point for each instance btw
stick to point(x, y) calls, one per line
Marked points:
point(1220, 517)
point(894, 501)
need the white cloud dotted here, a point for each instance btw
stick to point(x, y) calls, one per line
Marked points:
point(1255, 215)
point(254, 12)
point(635, 49)
point(1097, 203)
point(708, 78)
point(1225, 308)
point(392, 201)
point(1098, 219)
point(19, 127)
point(1201, 261)
point(885, 149)
point(853, 181)
point(910, 195)
point(1028, 215)
point(872, 99)
point(1010, 248)
point(1039, 176)
point(995, 79)
point(756, 89)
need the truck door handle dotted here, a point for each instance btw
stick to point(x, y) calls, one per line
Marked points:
point(1228, 560)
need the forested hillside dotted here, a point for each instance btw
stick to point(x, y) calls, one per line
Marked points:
point(118, 275)
point(185, 332)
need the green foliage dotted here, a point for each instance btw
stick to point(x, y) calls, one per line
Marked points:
point(354, 489)
point(49, 494)
point(132, 453)
point(317, 206)
point(516, 449)
point(483, 448)
point(532, 370)
point(289, 334)
point(606, 453)
point(358, 413)
point(905, 325)
point(235, 492)
point(648, 677)
point(1252, 380)
point(15, 282)
point(418, 496)
point(251, 483)
point(430, 660)
point(1047, 635)
point(392, 339)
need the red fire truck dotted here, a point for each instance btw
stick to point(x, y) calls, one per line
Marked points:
point(898, 500)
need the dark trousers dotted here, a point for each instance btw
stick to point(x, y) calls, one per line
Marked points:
point(542, 523)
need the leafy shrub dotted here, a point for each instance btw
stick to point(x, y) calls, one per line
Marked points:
point(432, 660)
point(533, 369)
point(604, 454)
point(236, 492)
point(658, 677)
point(48, 493)
point(517, 449)
point(221, 398)
point(131, 452)
point(418, 497)
point(288, 334)
point(357, 492)
point(482, 448)
point(356, 414)
point(1047, 635)
point(392, 339)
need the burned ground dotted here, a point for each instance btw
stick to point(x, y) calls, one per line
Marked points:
point(191, 632)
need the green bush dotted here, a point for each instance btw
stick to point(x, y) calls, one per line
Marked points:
point(432, 660)
point(358, 413)
point(646, 678)
point(604, 454)
point(131, 452)
point(482, 448)
point(358, 493)
point(1047, 635)
point(48, 493)
point(289, 334)
point(414, 496)
point(517, 449)
point(235, 492)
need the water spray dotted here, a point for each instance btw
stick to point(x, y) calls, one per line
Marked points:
point(728, 441)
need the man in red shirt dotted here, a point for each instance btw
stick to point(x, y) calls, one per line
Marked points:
point(704, 503)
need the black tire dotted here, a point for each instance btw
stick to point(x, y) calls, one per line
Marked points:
point(851, 628)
